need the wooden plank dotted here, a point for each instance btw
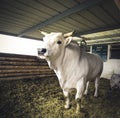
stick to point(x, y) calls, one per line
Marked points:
point(111, 9)
point(82, 20)
point(20, 66)
point(33, 10)
point(64, 26)
point(99, 12)
point(92, 18)
point(75, 23)
point(67, 3)
point(18, 9)
point(16, 55)
point(26, 77)
point(25, 74)
point(7, 67)
point(4, 24)
point(62, 23)
point(24, 71)
point(53, 5)
point(16, 59)
point(35, 4)
point(11, 18)
point(52, 28)
point(20, 63)
point(21, 57)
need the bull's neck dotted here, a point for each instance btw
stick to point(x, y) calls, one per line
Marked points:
point(71, 53)
point(55, 63)
point(66, 58)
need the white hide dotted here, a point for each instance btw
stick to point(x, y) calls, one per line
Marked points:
point(72, 65)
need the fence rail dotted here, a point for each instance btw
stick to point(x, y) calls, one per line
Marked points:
point(14, 66)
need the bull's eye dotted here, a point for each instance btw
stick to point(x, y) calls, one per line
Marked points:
point(59, 42)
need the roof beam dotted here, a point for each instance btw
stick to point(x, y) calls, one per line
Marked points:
point(101, 29)
point(101, 40)
point(104, 42)
point(105, 36)
point(77, 8)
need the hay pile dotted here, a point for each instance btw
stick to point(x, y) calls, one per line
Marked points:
point(43, 98)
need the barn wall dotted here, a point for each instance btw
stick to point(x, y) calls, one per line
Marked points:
point(111, 66)
point(21, 66)
point(16, 45)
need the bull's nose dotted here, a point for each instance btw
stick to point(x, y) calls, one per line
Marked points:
point(42, 51)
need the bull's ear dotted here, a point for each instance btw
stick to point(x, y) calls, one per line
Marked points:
point(68, 40)
point(44, 33)
point(68, 34)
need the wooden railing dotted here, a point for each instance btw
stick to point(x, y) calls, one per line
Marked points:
point(14, 66)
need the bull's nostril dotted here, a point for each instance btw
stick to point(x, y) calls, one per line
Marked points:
point(43, 50)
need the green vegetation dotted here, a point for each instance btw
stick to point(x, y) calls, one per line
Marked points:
point(43, 98)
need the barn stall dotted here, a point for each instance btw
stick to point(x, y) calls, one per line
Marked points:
point(28, 87)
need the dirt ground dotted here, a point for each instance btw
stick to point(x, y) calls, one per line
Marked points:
point(43, 98)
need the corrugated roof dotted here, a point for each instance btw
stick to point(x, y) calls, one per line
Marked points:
point(86, 17)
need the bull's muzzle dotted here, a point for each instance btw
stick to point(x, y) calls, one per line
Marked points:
point(41, 51)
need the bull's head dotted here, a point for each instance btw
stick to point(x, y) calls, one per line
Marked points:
point(54, 44)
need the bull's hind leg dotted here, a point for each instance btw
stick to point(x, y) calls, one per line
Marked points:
point(67, 103)
point(80, 91)
point(86, 89)
point(96, 86)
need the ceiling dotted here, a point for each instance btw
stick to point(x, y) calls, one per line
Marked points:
point(96, 20)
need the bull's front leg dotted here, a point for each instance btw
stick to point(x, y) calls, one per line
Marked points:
point(96, 86)
point(80, 90)
point(67, 102)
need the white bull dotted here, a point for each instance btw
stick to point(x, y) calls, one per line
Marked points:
point(73, 66)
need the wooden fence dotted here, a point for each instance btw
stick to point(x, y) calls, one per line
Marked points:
point(14, 66)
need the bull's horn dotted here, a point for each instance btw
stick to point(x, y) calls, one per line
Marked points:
point(68, 34)
point(76, 38)
point(44, 33)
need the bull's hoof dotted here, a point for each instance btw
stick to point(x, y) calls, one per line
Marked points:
point(78, 112)
point(85, 93)
point(67, 106)
point(95, 96)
